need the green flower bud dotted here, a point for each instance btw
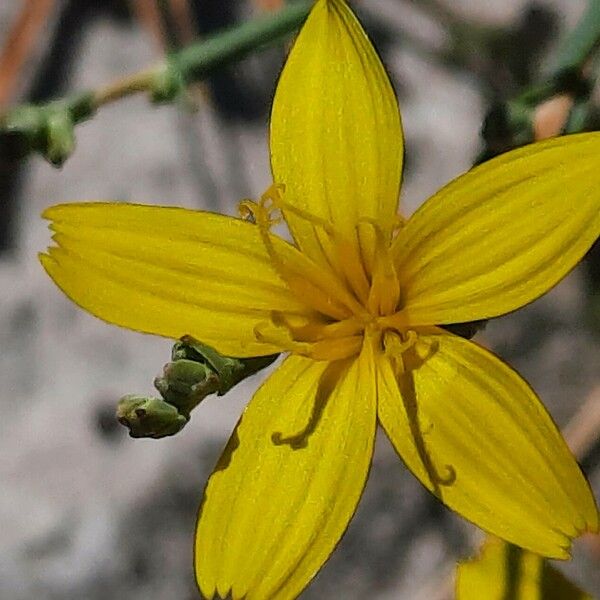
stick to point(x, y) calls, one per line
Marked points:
point(59, 136)
point(185, 383)
point(195, 371)
point(149, 417)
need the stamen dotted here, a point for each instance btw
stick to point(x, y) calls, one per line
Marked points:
point(350, 264)
point(384, 294)
point(366, 243)
point(318, 288)
point(305, 329)
point(301, 285)
point(394, 347)
point(399, 320)
point(340, 252)
point(319, 340)
point(277, 333)
point(305, 215)
point(336, 349)
point(280, 337)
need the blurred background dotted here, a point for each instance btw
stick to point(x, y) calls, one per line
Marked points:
point(85, 511)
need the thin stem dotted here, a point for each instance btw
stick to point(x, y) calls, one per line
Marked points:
point(198, 60)
point(127, 86)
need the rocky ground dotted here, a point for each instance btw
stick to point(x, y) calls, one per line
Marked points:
point(87, 512)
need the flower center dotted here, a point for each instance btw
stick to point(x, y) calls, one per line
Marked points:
point(357, 290)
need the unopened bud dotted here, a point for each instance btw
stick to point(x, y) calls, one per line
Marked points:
point(185, 383)
point(149, 417)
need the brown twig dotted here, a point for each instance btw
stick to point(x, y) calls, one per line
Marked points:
point(269, 4)
point(148, 14)
point(583, 430)
point(183, 21)
point(21, 43)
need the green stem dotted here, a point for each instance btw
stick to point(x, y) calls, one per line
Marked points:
point(27, 128)
point(200, 59)
point(582, 41)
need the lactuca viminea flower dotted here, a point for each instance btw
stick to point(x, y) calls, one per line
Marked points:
point(356, 301)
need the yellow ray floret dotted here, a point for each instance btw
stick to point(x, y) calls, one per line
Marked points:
point(336, 139)
point(501, 235)
point(274, 510)
point(168, 271)
point(503, 571)
point(476, 435)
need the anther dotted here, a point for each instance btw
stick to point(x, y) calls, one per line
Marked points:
point(247, 210)
point(262, 212)
point(394, 347)
point(394, 344)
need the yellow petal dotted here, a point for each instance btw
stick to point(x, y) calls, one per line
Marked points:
point(273, 512)
point(336, 139)
point(476, 435)
point(503, 234)
point(505, 572)
point(168, 271)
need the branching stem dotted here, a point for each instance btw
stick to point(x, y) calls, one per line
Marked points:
point(49, 128)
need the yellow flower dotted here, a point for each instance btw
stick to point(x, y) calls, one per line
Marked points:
point(501, 571)
point(356, 300)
